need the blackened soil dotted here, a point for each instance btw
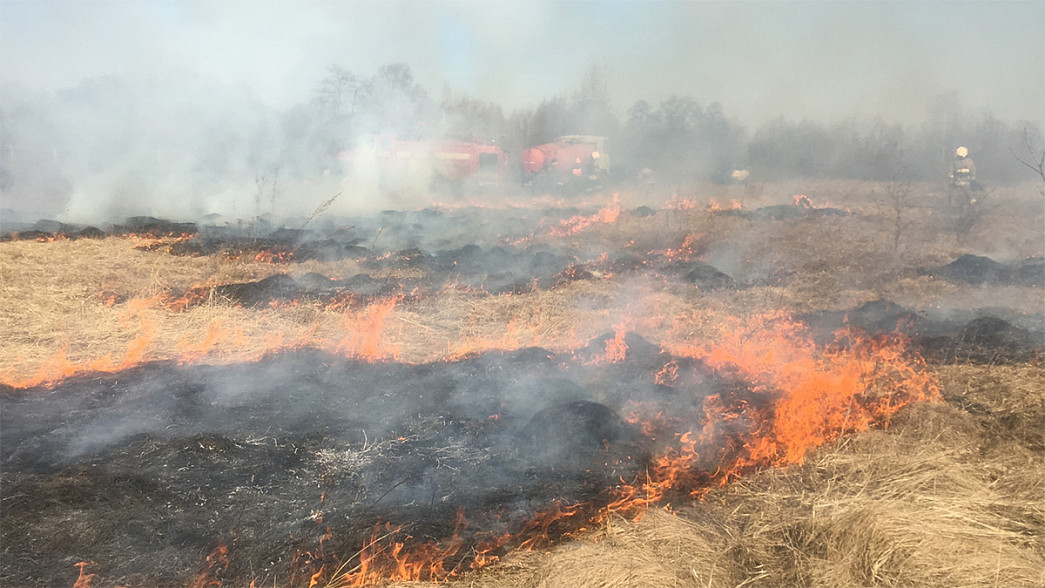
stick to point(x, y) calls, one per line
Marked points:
point(986, 340)
point(144, 472)
point(782, 212)
point(978, 270)
point(954, 337)
point(495, 270)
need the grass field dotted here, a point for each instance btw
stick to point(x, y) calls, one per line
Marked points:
point(952, 493)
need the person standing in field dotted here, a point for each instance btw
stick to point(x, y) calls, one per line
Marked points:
point(963, 170)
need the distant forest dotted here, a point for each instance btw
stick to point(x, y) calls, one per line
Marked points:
point(179, 132)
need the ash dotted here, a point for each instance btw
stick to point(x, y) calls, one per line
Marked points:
point(143, 472)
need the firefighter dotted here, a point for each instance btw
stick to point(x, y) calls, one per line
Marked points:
point(964, 188)
point(963, 170)
point(592, 167)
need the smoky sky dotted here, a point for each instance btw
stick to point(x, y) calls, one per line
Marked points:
point(187, 109)
point(761, 60)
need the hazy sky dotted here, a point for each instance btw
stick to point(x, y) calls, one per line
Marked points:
point(760, 59)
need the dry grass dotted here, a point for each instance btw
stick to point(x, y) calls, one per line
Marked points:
point(951, 495)
point(53, 316)
point(921, 504)
point(53, 293)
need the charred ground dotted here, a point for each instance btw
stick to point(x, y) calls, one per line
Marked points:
point(490, 387)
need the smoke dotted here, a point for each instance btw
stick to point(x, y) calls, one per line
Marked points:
point(175, 147)
point(110, 111)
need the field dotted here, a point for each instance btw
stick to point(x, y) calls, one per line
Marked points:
point(787, 391)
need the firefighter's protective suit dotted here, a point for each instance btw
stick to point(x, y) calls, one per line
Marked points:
point(963, 170)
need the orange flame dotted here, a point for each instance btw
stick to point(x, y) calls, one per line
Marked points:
point(678, 203)
point(84, 580)
point(217, 562)
point(364, 333)
point(803, 201)
point(384, 558)
point(714, 206)
point(818, 396)
point(686, 251)
point(364, 337)
point(266, 256)
point(59, 367)
point(668, 374)
point(801, 398)
point(616, 349)
point(580, 223)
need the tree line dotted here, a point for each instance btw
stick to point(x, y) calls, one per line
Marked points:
point(166, 133)
point(678, 138)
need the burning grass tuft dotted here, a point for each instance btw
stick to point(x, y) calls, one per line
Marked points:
point(948, 495)
point(915, 505)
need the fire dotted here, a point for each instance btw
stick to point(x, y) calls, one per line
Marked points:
point(384, 558)
point(60, 236)
point(678, 203)
point(152, 241)
point(800, 396)
point(616, 348)
point(580, 223)
point(192, 297)
point(817, 395)
point(267, 256)
point(536, 531)
point(59, 367)
point(686, 251)
point(668, 374)
point(391, 554)
point(217, 562)
point(217, 333)
point(109, 298)
point(797, 396)
point(714, 206)
point(364, 333)
point(84, 579)
point(803, 201)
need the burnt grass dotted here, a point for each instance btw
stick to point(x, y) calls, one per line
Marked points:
point(143, 472)
point(146, 471)
point(495, 270)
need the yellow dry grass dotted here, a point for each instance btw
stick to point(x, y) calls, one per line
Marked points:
point(925, 503)
point(951, 495)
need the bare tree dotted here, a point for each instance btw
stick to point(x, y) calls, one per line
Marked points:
point(594, 86)
point(896, 201)
point(266, 181)
point(1034, 158)
point(395, 101)
point(339, 91)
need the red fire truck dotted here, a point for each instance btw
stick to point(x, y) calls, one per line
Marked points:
point(388, 158)
point(571, 160)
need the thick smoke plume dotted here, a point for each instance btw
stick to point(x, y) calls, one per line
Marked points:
point(156, 111)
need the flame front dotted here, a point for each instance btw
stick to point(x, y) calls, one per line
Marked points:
point(799, 397)
point(580, 223)
point(795, 395)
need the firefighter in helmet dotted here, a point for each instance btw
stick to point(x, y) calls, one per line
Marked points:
point(963, 170)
